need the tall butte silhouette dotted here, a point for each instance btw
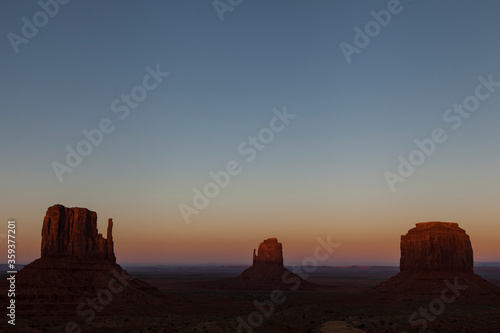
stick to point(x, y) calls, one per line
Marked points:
point(77, 263)
point(435, 256)
point(267, 270)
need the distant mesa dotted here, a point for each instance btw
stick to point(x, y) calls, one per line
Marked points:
point(270, 252)
point(266, 273)
point(267, 270)
point(267, 263)
point(77, 263)
point(431, 253)
point(436, 246)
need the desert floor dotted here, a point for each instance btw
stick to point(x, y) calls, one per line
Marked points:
point(197, 303)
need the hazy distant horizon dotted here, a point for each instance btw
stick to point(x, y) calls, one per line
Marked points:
point(161, 265)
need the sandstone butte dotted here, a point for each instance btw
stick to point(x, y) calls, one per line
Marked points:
point(72, 233)
point(270, 252)
point(432, 253)
point(267, 270)
point(436, 246)
point(76, 263)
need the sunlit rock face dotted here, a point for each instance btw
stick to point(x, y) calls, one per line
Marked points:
point(269, 252)
point(436, 246)
point(433, 255)
point(72, 233)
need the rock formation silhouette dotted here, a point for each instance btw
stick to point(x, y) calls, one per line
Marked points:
point(72, 232)
point(432, 253)
point(270, 252)
point(436, 246)
point(267, 263)
point(78, 263)
point(267, 270)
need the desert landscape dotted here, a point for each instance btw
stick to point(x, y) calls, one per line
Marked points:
point(435, 290)
point(246, 166)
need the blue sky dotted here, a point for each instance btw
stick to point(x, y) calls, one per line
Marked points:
point(324, 173)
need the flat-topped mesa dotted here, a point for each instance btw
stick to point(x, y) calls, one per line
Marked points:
point(436, 246)
point(270, 252)
point(433, 255)
point(72, 232)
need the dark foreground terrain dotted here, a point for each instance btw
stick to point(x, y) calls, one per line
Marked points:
point(197, 302)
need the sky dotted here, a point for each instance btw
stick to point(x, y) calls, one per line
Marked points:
point(307, 112)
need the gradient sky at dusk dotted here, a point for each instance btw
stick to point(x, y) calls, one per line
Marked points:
point(322, 175)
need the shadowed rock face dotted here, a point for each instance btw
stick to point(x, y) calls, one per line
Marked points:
point(72, 232)
point(78, 263)
point(267, 270)
point(267, 263)
point(270, 252)
point(432, 255)
point(436, 246)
